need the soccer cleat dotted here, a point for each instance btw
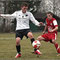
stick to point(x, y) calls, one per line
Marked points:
point(18, 55)
point(58, 54)
point(38, 52)
point(58, 50)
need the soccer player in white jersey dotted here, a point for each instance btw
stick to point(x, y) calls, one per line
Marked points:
point(22, 29)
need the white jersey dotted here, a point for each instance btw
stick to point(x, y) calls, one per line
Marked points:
point(22, 19)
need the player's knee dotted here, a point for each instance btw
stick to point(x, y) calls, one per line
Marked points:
point(39, 38)
point(30, 35)
point(52, 41)
point(17, 41)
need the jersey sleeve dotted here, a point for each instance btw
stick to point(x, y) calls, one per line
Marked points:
point(12, 16)
point(34, 20)
point(55, 23)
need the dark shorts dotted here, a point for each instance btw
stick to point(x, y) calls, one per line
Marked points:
point(21, 33)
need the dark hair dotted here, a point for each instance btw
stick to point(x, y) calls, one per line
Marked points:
point(24, 4)
point(50, 13)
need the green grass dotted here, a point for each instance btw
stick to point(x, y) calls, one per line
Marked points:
point(8, 50)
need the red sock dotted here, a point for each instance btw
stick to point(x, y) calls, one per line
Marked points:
point(57, 47)
point(58, 50)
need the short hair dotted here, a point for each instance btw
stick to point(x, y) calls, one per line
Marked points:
point(50, 13)
point(24, 4)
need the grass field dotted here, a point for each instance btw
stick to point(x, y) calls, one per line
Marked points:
point(8, 50)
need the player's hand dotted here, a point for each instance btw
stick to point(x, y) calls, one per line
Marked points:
point(43, 32)
point(41, 23)
point(51, 31)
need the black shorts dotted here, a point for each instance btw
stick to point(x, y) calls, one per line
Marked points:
point(21, 33)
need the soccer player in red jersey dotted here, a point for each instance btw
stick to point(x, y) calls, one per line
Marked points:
point(52, 26)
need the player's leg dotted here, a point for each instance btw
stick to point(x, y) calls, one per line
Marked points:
point(40, 38)
point(19, 36)
point(30, 35)
point(44, 37)
point(56, 46)
point(18, 47)
point(53, 40)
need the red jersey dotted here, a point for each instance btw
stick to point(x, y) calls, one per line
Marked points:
point(51, 24)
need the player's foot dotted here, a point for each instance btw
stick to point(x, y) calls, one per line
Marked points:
point(38, 52)
point(58, 54)
point(58, 50)
point(18, 55)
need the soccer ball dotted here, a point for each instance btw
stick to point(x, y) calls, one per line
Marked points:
point(36, 44)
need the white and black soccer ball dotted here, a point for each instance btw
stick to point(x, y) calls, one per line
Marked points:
point(36, 44)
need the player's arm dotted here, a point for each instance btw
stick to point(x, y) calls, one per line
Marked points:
point(45, 28)
point(34, 20)
point(8, 15)
point(5, 15)
point(55, 29)
point(56, 26)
